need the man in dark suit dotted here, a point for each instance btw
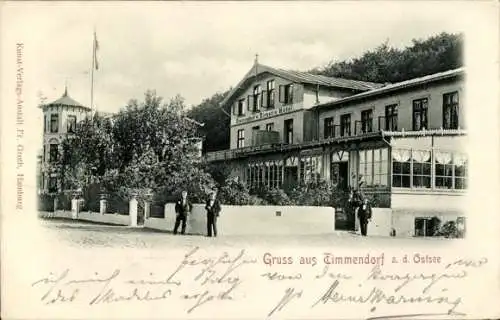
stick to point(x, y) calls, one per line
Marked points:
point(364, 215)
point(213, 211)
point(182, 209)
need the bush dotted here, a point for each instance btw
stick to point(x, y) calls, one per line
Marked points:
point(276, 197)
point(236, 193)
point(319, 193)
point(449, 230)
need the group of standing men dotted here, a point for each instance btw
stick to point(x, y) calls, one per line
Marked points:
point(183, 208)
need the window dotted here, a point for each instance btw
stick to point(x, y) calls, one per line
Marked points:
point(373, 165)
point(44, 153)
point(44, 124)
point(420, 114)
point(256, 128)
point(275, 174)
point(401, 164)
point(426, 227)
point(53, 152)
point(310, 168)
point(391, 117)
point(240, 143)
point(270, 126)
point(421, 161)
point(380, 167)
point(450, 110)
point(71, 124)
point(270, 93)
point(54, 123)
point(286, 94)
point(444, 170)
point(460, 171)
point(328, 128)
point(288, 124)
point(52, 184)
point(412, 168)
point(366, 121)
point(256, 98)
point(241, 108)
point(249, 103)
point(345, 125)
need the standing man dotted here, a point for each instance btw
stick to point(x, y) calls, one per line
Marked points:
point(213, 211)
point(364, 215)
point(355, 201)
point(182, 209)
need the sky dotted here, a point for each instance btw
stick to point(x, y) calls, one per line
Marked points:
point(197, 49)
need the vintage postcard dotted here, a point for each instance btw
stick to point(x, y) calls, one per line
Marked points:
point(250, 160)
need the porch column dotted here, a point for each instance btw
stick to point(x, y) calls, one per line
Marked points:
point(327, 160)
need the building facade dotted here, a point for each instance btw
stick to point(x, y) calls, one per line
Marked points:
point(402, 143)
point(59, 120)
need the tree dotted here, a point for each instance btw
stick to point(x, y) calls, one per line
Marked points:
point(145, 148)
point(386, 64)
point(216, 122)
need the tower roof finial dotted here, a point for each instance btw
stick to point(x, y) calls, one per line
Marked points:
point(65, 88)
point(256, 58)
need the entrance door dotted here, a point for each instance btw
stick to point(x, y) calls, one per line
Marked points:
point(291, 177)
point(344, 214)
point(340, 174)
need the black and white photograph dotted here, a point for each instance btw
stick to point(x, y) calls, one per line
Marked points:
point(185, 159)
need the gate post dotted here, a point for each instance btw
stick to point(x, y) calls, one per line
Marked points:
point(103, 204)
point(147, 209)
point(133, 211)
point(74, 208)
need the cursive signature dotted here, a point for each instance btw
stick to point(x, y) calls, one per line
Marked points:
point(377, 295)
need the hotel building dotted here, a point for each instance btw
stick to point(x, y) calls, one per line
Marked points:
point(401, 144)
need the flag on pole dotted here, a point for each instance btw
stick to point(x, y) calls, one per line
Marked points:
point(96, 47)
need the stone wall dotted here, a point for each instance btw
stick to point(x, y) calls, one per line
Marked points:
point(254, 220)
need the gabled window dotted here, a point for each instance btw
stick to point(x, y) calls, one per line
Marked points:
point(270, 93)
point(240, 110)
point(286, 93)
point(257, 91)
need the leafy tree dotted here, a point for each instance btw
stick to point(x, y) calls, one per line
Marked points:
point(386, 64)
point(145, 149)
point(216, 122)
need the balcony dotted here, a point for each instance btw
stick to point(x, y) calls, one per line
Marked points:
point(367, 130)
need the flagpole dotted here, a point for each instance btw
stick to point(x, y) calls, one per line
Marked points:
point(92, 77)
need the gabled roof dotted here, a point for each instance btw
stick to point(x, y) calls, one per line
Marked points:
point(66, 100)
point(301, 77)
point(396, 86)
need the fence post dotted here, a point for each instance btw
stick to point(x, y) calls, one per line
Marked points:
point(133, 211)
point(55, 203)
point(74, 207)
point(103, 204)
point(147, 209)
